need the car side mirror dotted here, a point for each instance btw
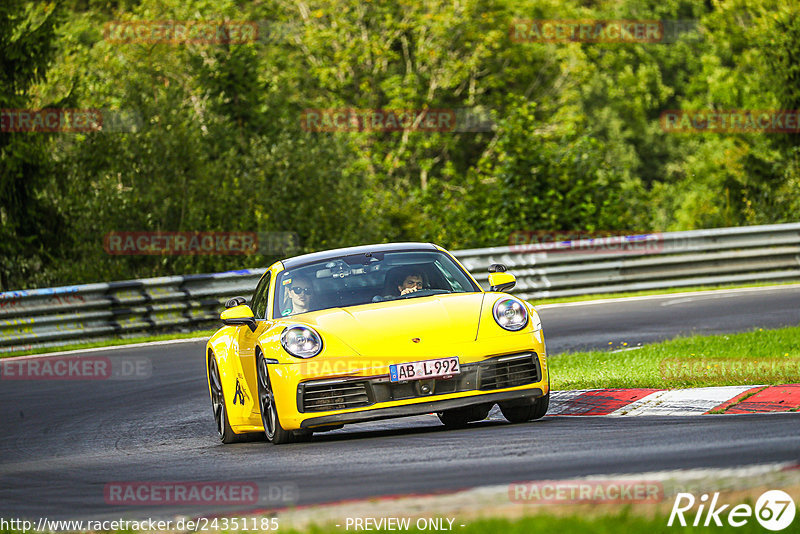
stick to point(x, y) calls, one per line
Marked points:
point(501, 281)
point(238, 315)
point(235, 301)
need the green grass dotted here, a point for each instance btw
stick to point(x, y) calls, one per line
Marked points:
point(112, 342)
point(757, 357)
point(669, 291)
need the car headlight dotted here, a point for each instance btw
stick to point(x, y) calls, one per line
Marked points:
point(301, 341)
point(510, 314)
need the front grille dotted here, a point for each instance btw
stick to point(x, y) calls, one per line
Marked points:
point(494, 373)
point(509, 371)
point(334, 395)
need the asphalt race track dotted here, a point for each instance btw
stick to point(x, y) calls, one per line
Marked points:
point(64, 441)
point(581, 326)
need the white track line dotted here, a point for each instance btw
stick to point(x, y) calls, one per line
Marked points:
point(700, 473)
point(709, 293)
point(103, 349)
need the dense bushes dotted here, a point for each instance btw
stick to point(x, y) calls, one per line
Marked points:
point(212, 140)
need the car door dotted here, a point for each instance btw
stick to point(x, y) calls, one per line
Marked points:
point(246, 394)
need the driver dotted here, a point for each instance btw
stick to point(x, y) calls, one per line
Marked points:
point(411, 283)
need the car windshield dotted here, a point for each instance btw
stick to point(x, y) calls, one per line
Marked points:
point(365, 278)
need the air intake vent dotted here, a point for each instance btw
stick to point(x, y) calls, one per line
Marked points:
point(509, 371)
point(339, 395)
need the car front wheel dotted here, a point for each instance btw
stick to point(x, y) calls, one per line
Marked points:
point(459, 417)
point(266, 401)
point(528, 411)
point(224, 430)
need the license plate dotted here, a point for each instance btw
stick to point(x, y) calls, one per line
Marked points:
point(442, 367)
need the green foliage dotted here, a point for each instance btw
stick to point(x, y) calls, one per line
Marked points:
point(540, 177)
point(209, 135)
point(749, 61)
point(31, 236)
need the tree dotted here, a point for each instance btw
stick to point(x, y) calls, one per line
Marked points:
point(31, 225)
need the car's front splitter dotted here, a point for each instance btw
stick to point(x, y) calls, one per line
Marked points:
point(421, 408)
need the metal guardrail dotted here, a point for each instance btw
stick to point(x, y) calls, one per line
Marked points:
point(648, 261)
point(59, 316)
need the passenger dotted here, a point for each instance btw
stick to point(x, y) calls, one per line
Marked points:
point(301, 296)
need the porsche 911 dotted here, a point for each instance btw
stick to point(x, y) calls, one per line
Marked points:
point(374, 332)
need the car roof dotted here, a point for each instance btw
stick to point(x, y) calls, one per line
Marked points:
point(314, 257)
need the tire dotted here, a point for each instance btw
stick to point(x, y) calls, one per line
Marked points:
point(459, 417)
point(302, 436)
point(529, 411)
point(266, 402)
point(224, 430)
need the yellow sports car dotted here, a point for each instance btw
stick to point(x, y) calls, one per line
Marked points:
point(374, 332)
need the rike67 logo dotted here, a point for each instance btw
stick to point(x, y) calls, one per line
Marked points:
point(774, 510)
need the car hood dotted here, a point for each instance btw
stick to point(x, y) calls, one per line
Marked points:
point(389, 328)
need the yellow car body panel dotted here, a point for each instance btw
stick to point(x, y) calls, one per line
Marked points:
point(362, 342)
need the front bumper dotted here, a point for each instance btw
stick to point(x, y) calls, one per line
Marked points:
point(354, 399)
point(421, 408)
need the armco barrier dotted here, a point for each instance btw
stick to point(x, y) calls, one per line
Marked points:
point(673, 259)
point(62, 315)
point(58, 316)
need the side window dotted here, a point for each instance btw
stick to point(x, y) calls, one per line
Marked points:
point(455, 285)
point(260, 297)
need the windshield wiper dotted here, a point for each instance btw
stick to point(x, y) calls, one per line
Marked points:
point(424, 293)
